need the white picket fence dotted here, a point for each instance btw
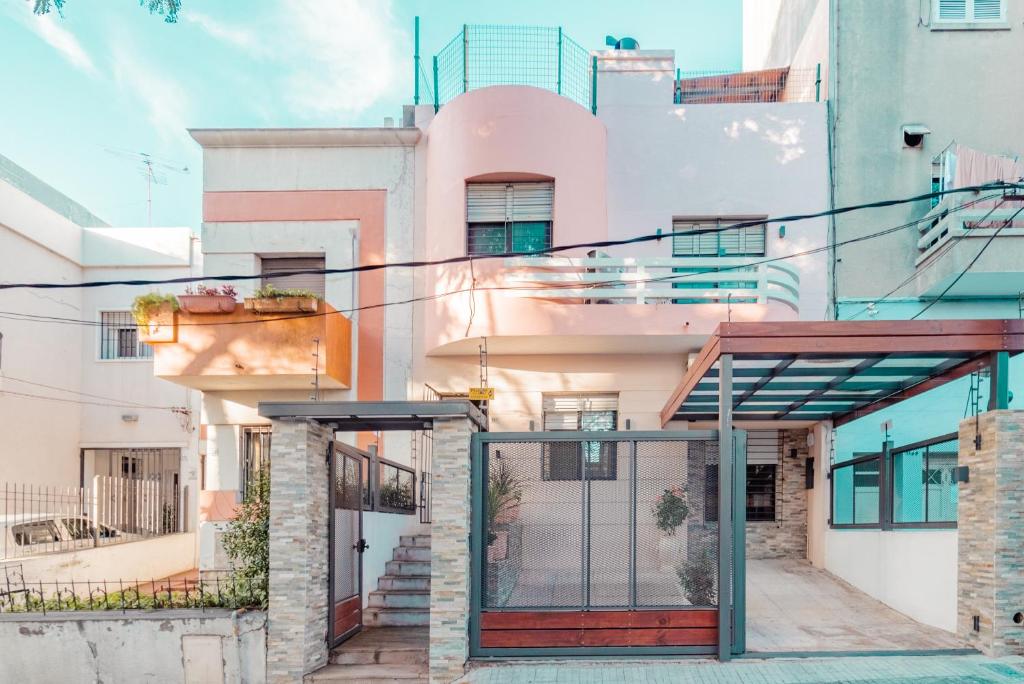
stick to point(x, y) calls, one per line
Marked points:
point(38, 519)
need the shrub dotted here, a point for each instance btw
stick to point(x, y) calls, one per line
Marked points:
point(247, 539)
point(145, 306)
point(670, 510)
point(394, 495)
point(698, 579)
point(503, 491)
point(271, 291)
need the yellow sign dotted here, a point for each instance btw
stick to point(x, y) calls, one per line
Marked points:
point(481, 393)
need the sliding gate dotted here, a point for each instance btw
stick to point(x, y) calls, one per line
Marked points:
point(601, 543)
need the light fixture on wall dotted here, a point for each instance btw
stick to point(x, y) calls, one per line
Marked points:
point(782, 231)
point(130, 417)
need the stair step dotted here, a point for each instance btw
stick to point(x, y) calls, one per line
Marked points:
point(384, 656)
point(403, 583)
point(406, 568)
point(392, 598)
point(411, 553)
point(419, 540)
point(396, 617)
point(370, 674)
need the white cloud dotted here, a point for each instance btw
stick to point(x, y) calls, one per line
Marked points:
point(342, 56)
point(63, 41)
point(166, 101)
point(238, 37)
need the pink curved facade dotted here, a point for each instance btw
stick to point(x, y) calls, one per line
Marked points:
point(514, 133)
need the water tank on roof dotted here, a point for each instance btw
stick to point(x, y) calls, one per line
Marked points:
point(624, 43)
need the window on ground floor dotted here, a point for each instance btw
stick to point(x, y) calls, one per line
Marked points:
point(580, 412)
point(760, 492)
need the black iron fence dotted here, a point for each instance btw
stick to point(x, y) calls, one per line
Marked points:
point(211, 590)
point(37, 519)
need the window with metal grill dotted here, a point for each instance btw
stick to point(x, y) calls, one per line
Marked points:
point(314, 282)
point(255, 455)
point(580, 412)
point(508, 217)
point(119, 337)
point(970, 10)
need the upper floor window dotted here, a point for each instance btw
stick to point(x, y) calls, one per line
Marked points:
point(970, 11)
point(508, 217)
point(314, 282)
point(119, 337)
point(705, 238)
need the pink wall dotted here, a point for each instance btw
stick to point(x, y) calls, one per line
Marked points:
point(505, 133)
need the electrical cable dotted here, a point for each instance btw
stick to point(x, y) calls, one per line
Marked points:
point(363, 268)
point(85, 403)
point(12, 315)
point(83, 394)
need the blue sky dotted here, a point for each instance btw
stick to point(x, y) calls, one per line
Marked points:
point(109, 76)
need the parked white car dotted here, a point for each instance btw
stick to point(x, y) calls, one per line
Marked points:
point(24, 535)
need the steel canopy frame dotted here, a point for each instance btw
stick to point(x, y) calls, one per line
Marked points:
point(837, 370)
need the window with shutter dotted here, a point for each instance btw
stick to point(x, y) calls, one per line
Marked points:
point(580, 412)
point(970, 10)
point(706, 238)
point(314, 282)
point(513, 218)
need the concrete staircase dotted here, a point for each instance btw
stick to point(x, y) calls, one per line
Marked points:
point(378, 655)
point(402, 598)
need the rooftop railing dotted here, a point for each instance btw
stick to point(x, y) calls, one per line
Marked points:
point(784, 84)
point(483, 55)
point(655, 280)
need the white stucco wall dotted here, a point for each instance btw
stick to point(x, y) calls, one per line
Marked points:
point(212, 646)
point(382, 531)
point(715, 160)
point(148, 559)
point(914, 571)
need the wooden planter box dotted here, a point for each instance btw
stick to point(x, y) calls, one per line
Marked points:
point(205, 304)
point(282, 305)
point(162, 326)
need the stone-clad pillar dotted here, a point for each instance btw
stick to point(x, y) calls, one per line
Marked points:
point(991, 535)
point(297, 620)
point(449, 553)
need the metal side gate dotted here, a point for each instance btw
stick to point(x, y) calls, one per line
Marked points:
point(605, 543)
point(345, 532)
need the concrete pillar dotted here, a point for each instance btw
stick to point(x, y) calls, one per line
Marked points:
point(991, 534)
point(297, 621)
point(449, 555)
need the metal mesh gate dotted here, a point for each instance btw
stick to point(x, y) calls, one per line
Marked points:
point(601, 524)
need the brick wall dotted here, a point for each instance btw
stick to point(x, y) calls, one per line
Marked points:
point(786, 537)
point(991, 534)
point(297, 618)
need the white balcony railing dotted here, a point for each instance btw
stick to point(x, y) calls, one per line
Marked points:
point(944, 223)
point(654, 280)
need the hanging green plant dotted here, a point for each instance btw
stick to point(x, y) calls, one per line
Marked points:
point(152, 305)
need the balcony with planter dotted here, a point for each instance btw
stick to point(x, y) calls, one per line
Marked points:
point(212, 342)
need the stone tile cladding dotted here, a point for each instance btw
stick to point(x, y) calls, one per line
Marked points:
point(786, 536)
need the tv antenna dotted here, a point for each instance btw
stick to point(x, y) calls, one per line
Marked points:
point(153, 168)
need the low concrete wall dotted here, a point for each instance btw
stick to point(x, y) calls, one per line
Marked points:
point(149, 559)
point(382, 531)
point(914, 571)
point(217, 645)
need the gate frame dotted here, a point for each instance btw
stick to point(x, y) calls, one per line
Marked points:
point(731, 542)
point(335, 450)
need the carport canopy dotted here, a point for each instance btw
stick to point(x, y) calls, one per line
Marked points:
point(374, 416)
point(837, 370)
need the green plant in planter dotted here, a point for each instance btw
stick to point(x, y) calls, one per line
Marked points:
point(698, 580)
point(670, 510)
point(504, 490)
point(145, 307)
point(247, 539)
point(271, 291)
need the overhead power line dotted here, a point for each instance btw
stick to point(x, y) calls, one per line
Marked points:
point(12, 315)
point(362, 268)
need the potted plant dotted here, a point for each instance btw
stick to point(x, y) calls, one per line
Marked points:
point(504, 494)
point(670, 510)
point(157, 317)
point(271, 299)
point(697, 578)
point(201, 299)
